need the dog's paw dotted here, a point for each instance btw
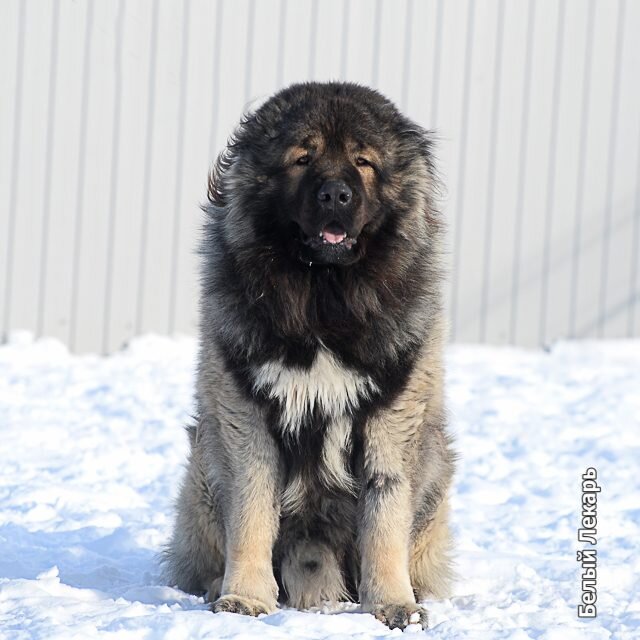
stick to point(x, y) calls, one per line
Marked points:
point(400, 616)
point(240, 604)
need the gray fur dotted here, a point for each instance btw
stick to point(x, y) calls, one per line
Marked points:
point(363, 513)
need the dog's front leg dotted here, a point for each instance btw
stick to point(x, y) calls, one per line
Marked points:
point(385, 526)
point(251, 524)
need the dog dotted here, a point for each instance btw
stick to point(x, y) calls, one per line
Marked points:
point(320, 462)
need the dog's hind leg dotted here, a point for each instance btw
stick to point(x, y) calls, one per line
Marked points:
point(430, 563)
point(193, 560)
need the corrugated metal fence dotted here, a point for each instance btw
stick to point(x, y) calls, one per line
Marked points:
point(112, 112)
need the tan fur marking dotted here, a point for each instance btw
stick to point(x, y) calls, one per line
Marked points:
point(385, 550)
point(385, 536)
point(292, 154)
point(337, 443)
point(314, 144)
point(294, 496)
point(430, 565)
point(356, 149)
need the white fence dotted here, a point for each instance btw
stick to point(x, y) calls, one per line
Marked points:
point(111, 113)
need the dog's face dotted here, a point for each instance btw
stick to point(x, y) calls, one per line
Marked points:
point(331, 190)
point(323, 167)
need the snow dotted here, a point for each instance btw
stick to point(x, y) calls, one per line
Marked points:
point(91, 449)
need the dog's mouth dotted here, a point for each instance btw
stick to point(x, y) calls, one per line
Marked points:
point(332, 234)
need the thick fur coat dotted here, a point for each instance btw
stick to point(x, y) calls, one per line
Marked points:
point(320, 463)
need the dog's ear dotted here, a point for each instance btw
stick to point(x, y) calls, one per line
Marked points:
point(425, 141)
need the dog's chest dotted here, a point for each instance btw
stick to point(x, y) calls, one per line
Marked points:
point(315, 416)
point(327, 389)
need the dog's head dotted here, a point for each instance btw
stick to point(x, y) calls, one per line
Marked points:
point(317, 171)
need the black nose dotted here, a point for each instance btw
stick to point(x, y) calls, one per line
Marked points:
point(335, 193)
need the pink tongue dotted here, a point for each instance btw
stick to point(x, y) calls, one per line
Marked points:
point(333, 238)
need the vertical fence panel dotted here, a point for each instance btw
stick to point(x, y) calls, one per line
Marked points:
point(458, 43)
point(163, 107)
point(419, 82)
point(570, 132)
point(624, 168)
point(359, 51)
point(264, 64)
point(113, 112)
point(54, 295)
point(232, 99)
point(202, 97)
point(475, 170)
point(11, 74)
point(614, 112)
point(51, 109)
point(94, 208)
point(329, 42)
point(129, 179)
point(535, 184)
point(389, 48)
point(633, 319)
point(590, 283)
point(510, 144)
point(114, 174)
point(29, 208)
point(549, 210)
point(79, 195)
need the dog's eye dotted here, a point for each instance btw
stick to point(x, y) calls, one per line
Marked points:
point(362, 162)
point(302, 160)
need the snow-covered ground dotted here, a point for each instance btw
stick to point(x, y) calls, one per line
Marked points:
point(91, 450)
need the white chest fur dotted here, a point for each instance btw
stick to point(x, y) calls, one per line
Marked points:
point(326, 385)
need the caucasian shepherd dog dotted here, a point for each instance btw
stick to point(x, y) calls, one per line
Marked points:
point(319, 465)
